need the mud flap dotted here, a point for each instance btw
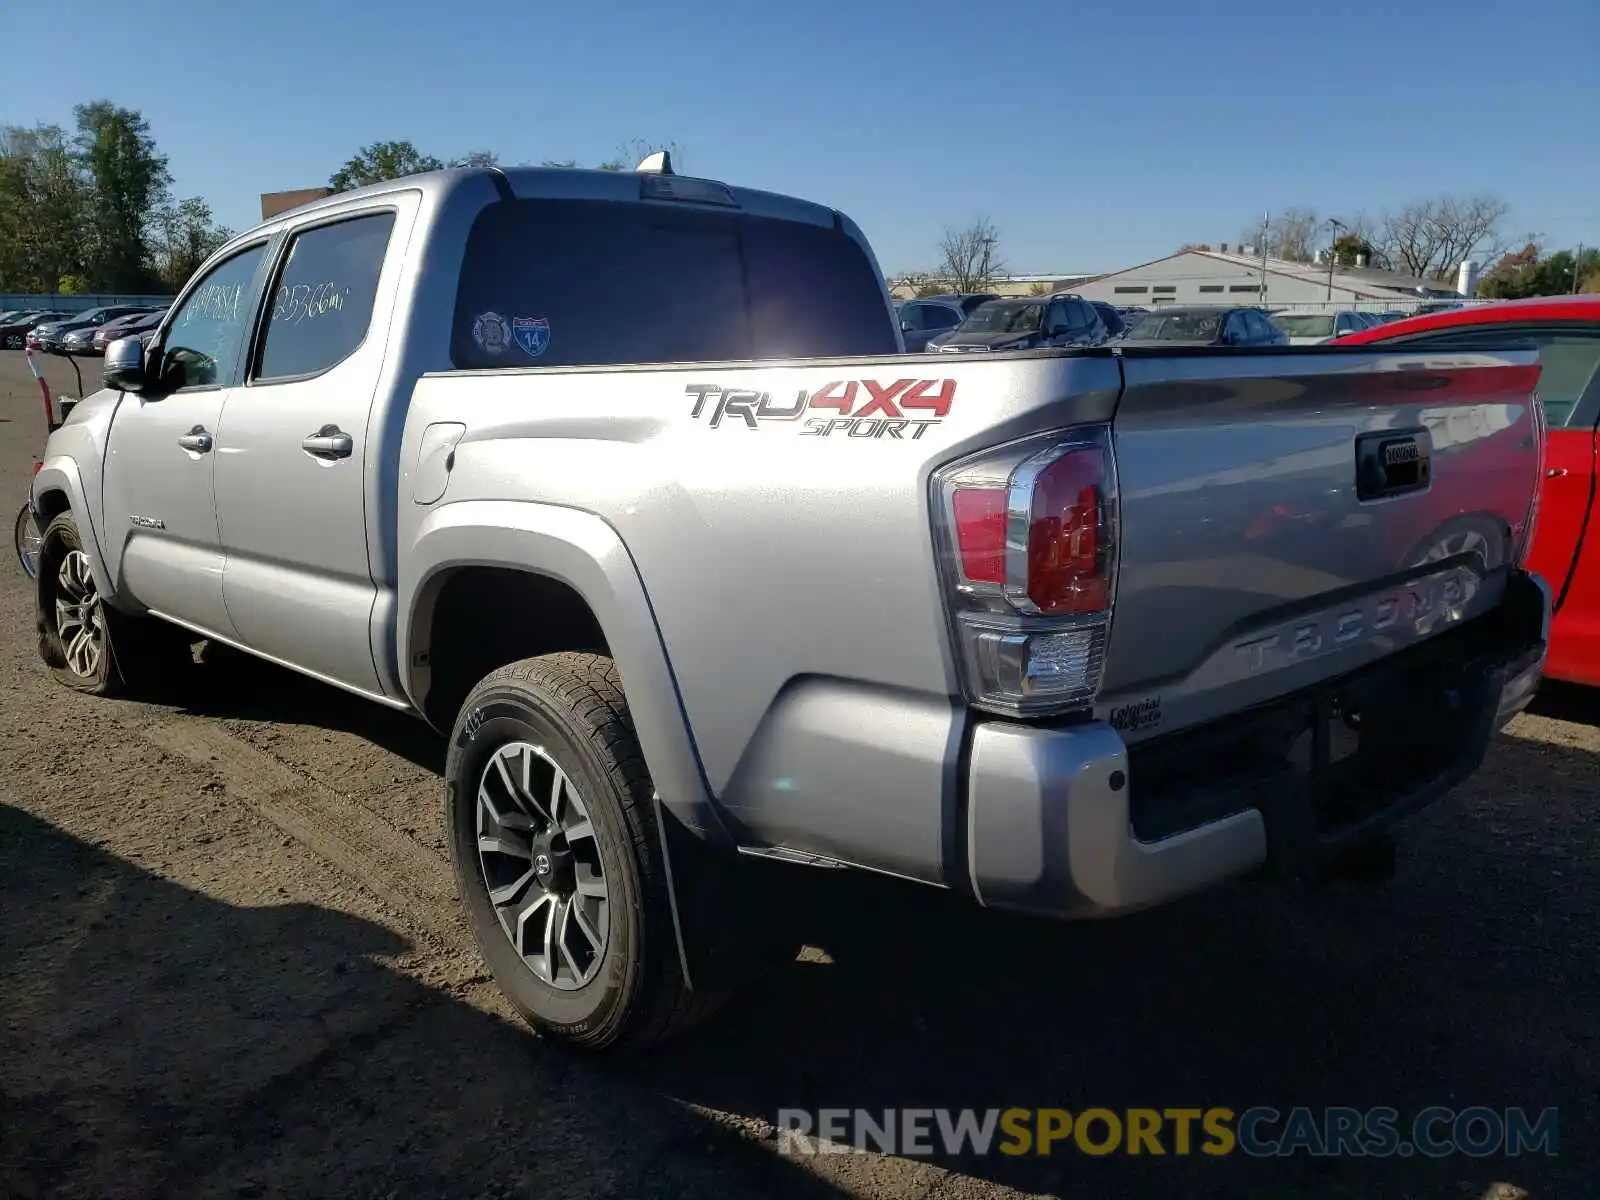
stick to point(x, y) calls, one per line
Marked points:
point(724, 914)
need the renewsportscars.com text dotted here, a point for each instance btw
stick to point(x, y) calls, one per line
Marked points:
point(1258, 1132)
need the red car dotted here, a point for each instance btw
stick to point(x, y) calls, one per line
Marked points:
point(1567, 331)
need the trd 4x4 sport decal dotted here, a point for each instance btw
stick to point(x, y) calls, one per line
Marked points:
point(864, 408)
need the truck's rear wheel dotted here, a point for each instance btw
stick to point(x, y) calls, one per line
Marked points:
point(557, 854)
point(88, 645)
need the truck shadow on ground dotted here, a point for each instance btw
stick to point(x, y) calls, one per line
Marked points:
point(156, 1042)
point(230, 684)
point(1469, 980)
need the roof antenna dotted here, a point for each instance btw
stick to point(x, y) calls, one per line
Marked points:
point(659, 163)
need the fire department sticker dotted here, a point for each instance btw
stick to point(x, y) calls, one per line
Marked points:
point(492, 333)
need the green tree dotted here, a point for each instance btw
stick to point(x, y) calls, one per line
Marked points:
point(128, 181)
point(477, 158)
point(1351, 249)
point(184, 236)
point(44, 204)
point(382, 161)
point(1563, 272)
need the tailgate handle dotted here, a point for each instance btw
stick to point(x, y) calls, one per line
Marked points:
point(1392, 462)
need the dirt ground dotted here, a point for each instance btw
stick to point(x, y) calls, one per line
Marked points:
point(231, 964)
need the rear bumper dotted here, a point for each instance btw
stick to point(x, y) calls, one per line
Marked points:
point(1069, 821)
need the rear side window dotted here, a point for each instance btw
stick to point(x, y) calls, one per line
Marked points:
point(322, 301)
point(588, 283)
point(1571, 361)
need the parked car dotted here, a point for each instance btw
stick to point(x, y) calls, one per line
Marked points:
point(1312, 328)
point(688, 715)
point(1203, 325)
point(968, 302)
point(78, 340)
point(123, 327)
point(1025, 324)
point(52, 337)
point(14, 335)
point(1111, 318)
point(1566, 329)
point(924, 319)
point(1131, 316)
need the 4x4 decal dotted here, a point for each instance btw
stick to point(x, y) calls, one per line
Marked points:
point(860, 408)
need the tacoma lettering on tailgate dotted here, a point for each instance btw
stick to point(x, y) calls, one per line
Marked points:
point(860, 408)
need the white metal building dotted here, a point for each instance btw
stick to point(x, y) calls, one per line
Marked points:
point(1219, 277)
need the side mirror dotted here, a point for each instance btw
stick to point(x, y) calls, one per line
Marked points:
point(905, 326)
point(124, 365)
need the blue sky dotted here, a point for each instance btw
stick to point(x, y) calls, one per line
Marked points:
point(1095, 134)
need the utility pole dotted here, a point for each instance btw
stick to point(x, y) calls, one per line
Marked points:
point(1266, 226)
point(1577, 266)
point(1335, 226)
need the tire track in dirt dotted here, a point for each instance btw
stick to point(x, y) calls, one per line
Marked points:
point(406, 877)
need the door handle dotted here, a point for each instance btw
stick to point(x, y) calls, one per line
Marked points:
point(1555, 473)
point(328, 442)
point(197, 440)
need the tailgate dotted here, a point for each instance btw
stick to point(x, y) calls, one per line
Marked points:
point(1286, 517)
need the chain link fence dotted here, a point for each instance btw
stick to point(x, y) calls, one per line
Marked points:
point(76, 302)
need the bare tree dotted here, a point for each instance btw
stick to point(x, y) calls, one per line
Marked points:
point(1431, 238)
point(1292, 234)
point(970, 258)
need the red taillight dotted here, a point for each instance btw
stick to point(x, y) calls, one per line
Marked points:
point(1066, 569)
point(980, 515)
point(1029, 557)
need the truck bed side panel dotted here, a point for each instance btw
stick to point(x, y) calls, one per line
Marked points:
point(782, 564)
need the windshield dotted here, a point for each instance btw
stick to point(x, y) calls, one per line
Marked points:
point(1004, 317)
point(1305, 324)
point(1180, 327)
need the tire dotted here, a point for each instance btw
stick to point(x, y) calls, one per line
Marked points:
point(566, 713)
point(126, 654)
point(13, 341)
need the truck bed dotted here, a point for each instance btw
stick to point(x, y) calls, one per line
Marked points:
point(780, 518)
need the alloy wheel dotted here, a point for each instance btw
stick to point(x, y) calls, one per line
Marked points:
point(541, 864)
point(29, 541)
point(80, 621)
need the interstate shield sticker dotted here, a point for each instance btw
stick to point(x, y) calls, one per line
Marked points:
point(532, 334)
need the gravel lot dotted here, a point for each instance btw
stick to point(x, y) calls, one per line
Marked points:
point(230, 964)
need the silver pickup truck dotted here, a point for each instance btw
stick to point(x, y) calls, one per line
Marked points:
point(1066, 632)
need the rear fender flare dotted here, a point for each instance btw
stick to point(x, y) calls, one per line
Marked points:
point(582, 551)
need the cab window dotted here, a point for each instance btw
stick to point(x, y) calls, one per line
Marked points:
point(201, 343)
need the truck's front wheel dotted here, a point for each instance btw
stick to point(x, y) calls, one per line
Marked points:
point(88, 645)
point(558, 857)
